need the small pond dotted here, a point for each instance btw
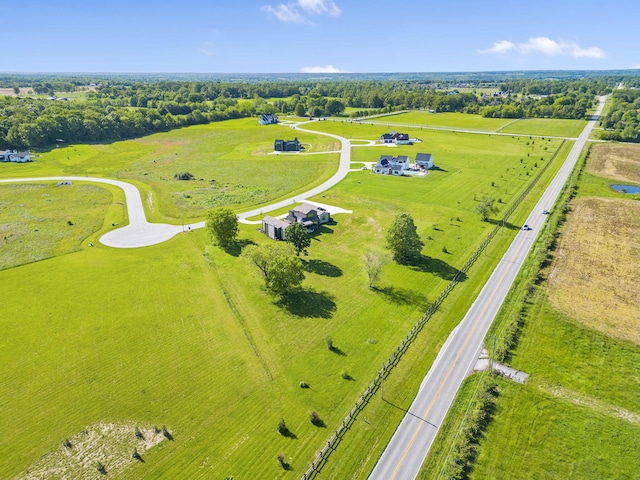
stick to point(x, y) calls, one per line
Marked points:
point(626, 188)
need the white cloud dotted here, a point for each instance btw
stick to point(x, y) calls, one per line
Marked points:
point(320, 6)
point(206, 52)
point(498, 47)
point(327, 69)
point(547, 46)
point(296, 12)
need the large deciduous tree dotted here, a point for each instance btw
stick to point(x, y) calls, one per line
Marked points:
point(403, 239)
point(297, 235)
point(285, 274)
point(222, 225)
point(282, 271)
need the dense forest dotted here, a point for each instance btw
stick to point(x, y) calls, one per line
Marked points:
point(114, 108)
point(622, 123)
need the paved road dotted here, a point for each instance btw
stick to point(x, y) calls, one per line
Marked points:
point(405, 453)
point(142, 233)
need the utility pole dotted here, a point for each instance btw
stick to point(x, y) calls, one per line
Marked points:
point(493, 349)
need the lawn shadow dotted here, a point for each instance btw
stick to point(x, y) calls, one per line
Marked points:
point(289, 434)
point(321, 267)
point(439, 169)
point(308, 304)
point(235, 249)
point(438, 267)
point(402, 296)
point(323, 230)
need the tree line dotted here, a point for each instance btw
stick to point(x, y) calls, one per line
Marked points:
point(120, 109)
point(622, 123)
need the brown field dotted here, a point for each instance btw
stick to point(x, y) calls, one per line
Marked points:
point(594, 279)
point(615, 161)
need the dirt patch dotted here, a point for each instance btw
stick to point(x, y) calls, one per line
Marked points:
point(592, 403)
point(594, 278)
point(617, 162)
point(106, 444)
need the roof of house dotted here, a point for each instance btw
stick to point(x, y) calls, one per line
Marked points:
point(402, 136)
point(423, 157)
point(401, 159)
point(23, 154)
point(305, 208)
point(276, 222)
point(387, 136)
point(396, 168)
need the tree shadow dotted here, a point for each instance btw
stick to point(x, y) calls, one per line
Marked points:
point(235, 249)
point(321, 267)
point(308, 304)
point(402, 296)
point(437, 267)
point(507, 225)
point(337, 351)
point(289, 434)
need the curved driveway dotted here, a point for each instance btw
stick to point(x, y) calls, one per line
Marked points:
point(142, 233)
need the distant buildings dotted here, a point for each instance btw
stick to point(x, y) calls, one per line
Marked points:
point(287, 145)
point(268, 119)
point(13, 156)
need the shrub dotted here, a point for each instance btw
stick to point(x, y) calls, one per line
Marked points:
point(345, 375)
point(101, 468)
point(281, 461)
point(66, 443)
point(139, 434)
point(444, 249)
point(329, 341)
point(315, 419)
point(183, 176)
point(135, 455)
point(304, 385)
point(282, 427)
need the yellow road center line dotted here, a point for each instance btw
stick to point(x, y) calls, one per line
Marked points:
point(444, 381)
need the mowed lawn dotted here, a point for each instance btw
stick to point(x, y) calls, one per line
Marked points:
point(466, 121)
point(230, 162)
point(546, 126)
point(182, 335)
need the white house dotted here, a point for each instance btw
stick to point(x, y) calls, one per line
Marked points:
point(389, 165)
point(424, 161)
point(395, 138)
point(13, 156)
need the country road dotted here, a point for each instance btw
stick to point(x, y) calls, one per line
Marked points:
point(142, 233)
point(405, 453)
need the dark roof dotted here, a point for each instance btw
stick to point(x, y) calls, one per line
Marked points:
point(423, 157)
point(387, 136)
point(396, 168)
point(402, 136)
point(402, 159)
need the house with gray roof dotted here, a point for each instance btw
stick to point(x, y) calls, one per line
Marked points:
point(14, 156)
point(424, 161)
point(395, 138)
point(310, 216)
point(287, 145)
point(268, 119)
point(389, 165)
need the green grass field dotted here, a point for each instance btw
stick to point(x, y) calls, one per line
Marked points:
point(546, 126)
point(182, 335)
point(446, 119)
point(578, 415)
point(229, 160)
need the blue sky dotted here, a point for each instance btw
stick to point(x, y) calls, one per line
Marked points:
point(272, 36)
